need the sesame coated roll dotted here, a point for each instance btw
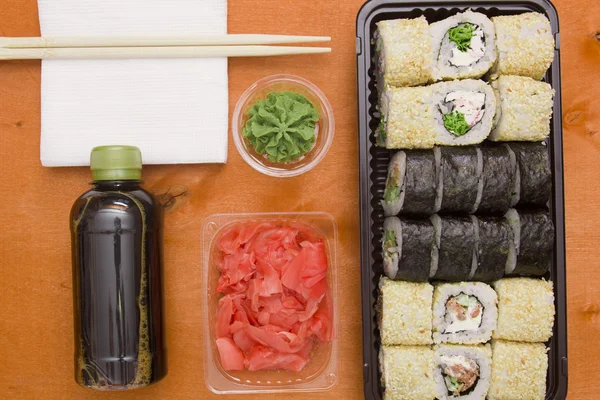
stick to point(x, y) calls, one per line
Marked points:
point(404, 52)
point(407, 118)
point(518, 371)
point(407, 372)
point(525, 45)
point(525, 309)
point(404, 312)
point(524, 109)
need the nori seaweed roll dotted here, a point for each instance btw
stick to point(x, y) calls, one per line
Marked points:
point(461, 170)
point(407, 249)
point(393, 195)
point(537, 243)
point(535, 177)
point(492, 248)
point(420, 183)
point(530, 251)
point(411, 184)
point(456, 239)
point(498, 180)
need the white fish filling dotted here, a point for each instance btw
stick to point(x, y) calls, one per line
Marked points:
point(463, 313)
point(475, 51)
point(468, 103)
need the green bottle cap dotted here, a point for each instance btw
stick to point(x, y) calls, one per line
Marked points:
point(116, 163)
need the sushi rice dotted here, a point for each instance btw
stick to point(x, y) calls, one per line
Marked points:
point(393, 197)
point(462, 372)
point(468, 61)
point(463, 111)
point(464, 313)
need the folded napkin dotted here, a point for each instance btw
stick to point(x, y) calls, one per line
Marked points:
point(174, 110)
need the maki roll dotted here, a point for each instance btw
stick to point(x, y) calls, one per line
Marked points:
point(411, 184)
point(518, 371)
point(535, 177)
point(407, 249)
point(463, 46)
point(463, 111)
point(403, 50)
point(462, 372)
point(525, 45)
point(461, 171)
point(525, 309)
point(455, 238)
point(393, 196)
point(498, 180)
point(524, 111)
point(492, 248)
point(407, 118)
point(420, 183)
point(530, 251)
point(464, 313)
point(404, 312)
point(402, 383)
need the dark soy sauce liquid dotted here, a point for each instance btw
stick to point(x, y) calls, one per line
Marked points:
point(116, 232)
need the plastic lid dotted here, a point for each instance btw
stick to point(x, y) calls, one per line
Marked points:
point(116, 163)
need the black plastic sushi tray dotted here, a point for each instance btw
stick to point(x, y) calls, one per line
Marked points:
point(373, 163)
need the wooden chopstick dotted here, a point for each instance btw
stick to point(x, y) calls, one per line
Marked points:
point(155, 52)
point(132, 41)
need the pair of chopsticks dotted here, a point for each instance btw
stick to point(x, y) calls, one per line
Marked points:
point(240, 45)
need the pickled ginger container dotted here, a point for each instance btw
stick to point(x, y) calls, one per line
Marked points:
point(321, 373)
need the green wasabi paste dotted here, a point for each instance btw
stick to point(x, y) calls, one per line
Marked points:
point(461, 35)
point(282, 126)
point(456, 123)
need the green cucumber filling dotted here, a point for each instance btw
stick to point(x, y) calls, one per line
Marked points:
point(463, 313)
point(392, 187)
point(460, 374)
point(382, 135)
point(390, 244)
point(462, 35)
point(456, 123)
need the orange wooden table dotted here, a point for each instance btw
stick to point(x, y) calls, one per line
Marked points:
point(36, 331)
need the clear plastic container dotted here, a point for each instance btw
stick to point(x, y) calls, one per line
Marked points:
point(324, 129)
point(321, 373)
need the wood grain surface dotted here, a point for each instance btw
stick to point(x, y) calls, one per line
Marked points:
point(36, 339)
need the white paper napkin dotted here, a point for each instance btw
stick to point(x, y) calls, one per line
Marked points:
point(174, 110)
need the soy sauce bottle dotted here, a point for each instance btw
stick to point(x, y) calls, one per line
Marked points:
point(116, 236)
